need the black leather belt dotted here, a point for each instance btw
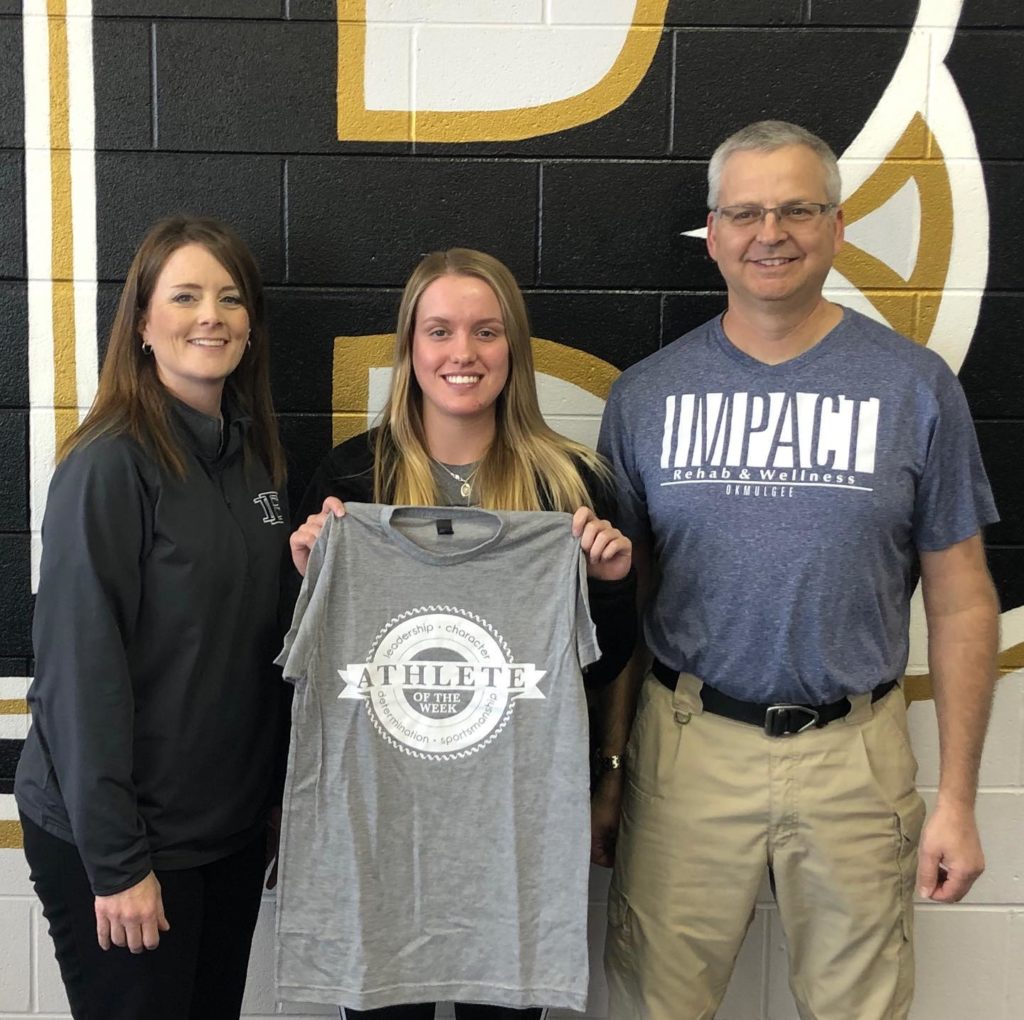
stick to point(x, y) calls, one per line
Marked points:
point(780, 720)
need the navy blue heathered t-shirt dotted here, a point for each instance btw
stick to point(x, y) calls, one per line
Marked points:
point(785, 505)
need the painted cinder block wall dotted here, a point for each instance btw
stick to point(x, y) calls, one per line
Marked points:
point(262, 112)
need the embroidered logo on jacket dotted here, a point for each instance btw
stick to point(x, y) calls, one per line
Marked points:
point(440, 682)
point(270, 504)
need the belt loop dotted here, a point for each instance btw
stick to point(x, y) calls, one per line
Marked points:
point(861, 708)
point(686, 698)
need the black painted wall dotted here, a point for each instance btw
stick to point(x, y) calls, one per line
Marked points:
point(228, 108)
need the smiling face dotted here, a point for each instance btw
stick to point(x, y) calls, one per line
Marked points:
point(460, 353)
point(768, 264)
point(197, 326)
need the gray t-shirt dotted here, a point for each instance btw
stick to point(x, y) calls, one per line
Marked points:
point(435, 837)
point(785, 505)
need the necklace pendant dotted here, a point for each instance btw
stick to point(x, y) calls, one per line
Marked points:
point(466, 490)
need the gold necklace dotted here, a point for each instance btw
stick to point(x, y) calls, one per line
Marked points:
point(466, 489)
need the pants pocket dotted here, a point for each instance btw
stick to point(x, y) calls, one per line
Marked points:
point(644, 751)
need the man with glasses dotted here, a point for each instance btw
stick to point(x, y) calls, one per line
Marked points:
point(790, 469)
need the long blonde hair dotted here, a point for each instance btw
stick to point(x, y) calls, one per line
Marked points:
point(130, 397)
point(528, 466)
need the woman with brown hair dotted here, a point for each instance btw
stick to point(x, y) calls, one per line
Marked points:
point(462, 427)
point(147, 776)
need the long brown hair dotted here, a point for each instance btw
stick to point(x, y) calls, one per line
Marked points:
point(528, 466)
point(130, 398)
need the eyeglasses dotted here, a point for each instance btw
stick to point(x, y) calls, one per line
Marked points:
point(792, 214)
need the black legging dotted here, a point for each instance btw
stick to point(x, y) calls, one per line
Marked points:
point(425, 1011)
point(197, 972)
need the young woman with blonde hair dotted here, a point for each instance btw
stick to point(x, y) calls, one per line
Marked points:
point(462, 427)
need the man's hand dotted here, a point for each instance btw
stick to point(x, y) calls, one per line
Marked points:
point(950, 857)
point(133, 918)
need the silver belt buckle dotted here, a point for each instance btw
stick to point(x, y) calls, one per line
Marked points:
point(774, 725)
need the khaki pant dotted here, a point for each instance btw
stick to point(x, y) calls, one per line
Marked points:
point(710, 803)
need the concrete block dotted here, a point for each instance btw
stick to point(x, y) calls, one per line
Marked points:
point(985, 65)
point(594, 12)
point(1000, 443)
point(1015, 974)
point(992, 373)
point(687, 13)
point(122, 84)
point(1005, 270)
point(803, 76)
point(992, 13)
point(303, 325)
point(13, 470)
point(632, 244)
point(252, 86)
point(13, 355)
point(390, 212)
point(636, 129)
point(186, 8)
point(963, 963)
point(505, 12)
point(318, 10)
point(15, 595)
point(1000, 765)
point(15, 940)
point(12, 112)
point(581, 320)
point(14, 879)
point(12, 223)
point(135, 189)
point(867, 12)
point(453, 60)
point(683, 312)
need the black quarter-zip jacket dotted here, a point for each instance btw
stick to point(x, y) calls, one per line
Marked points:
point(155, 702)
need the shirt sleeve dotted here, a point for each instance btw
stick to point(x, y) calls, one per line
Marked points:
point(954, 500)
point(300, 639)
point(96, 529)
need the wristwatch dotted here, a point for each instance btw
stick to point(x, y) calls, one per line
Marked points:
point(606, 763)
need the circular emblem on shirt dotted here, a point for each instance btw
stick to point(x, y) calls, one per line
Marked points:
point(439, 682)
